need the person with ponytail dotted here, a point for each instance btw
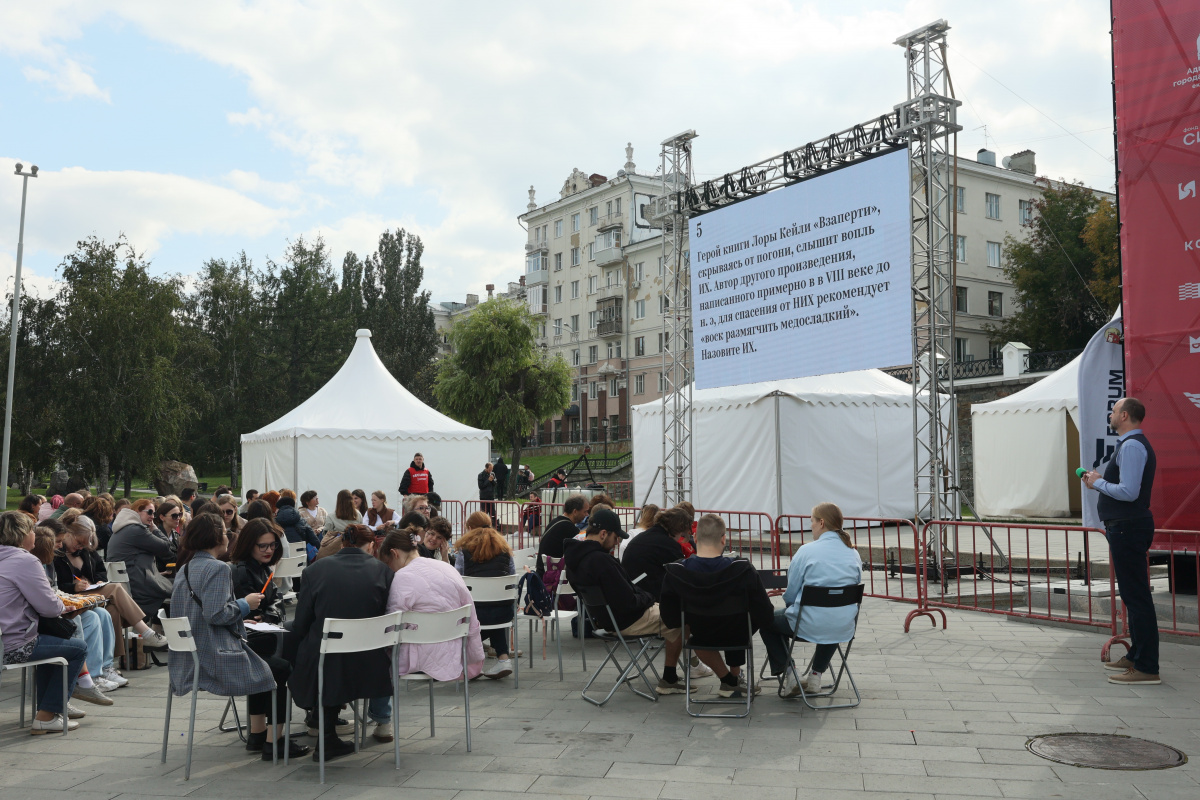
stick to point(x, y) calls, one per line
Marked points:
point(831, 559)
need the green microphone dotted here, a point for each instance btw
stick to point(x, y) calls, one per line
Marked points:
point(1080, 472)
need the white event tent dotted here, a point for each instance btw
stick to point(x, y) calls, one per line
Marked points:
point(360, 431)
point(784, 446)
point(1026, 449)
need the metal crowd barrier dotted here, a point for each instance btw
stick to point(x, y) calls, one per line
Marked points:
point(1174, 565)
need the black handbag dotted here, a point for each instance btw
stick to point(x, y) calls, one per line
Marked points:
point(56, 626)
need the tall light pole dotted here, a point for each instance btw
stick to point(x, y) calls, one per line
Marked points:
point(12, 328)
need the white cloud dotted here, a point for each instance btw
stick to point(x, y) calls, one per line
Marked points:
point(69, 78)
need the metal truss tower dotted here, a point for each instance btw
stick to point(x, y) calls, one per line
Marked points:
point(673, 213)
point(928, 119)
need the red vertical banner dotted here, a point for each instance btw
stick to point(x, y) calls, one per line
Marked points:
point(1156, 68)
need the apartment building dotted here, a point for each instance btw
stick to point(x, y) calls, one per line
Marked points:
point(594, 279)
point(447, 312)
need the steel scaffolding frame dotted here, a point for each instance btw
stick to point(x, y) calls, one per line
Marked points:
point(677, 180)
point(928, 119)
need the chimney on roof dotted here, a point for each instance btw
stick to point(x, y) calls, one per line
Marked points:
point(472, 300)
point(521, 280)
point(985, 156)
point(1022, 162)
point(490, 288)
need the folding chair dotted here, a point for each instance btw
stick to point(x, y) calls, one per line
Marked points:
point(435, 627)
point(352, 636)
point(500, 590)
point(608, 632)
point(526, 557)
point(553, 621)
point(119, 573)
point(297, 549)
point(24, 667)
point(288, 567)
point(178, 631)
point(714, 607)
point(829, 597)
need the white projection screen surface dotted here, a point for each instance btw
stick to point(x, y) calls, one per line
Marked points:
point(810, 279)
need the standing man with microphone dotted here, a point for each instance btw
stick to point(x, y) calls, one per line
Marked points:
point(1124, 506)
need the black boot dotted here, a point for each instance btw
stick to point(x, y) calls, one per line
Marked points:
point(294, 749)
point(255, 741)
point(334, 748)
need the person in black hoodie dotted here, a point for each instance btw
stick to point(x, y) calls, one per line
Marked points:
point(589, 563)
point(294, 528)
point(417, 479)
point(501, 470)
point(651, 551)
point(710, 577)
point(561, 529)
point(487, 491)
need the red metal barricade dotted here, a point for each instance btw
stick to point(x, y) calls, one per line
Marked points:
point(452, 510)
point(749, 534)
point(1050, 572)
point(1174, 564)
point(889, 548)
point(507, 517)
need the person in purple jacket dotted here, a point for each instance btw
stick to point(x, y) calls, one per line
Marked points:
point(26, 595)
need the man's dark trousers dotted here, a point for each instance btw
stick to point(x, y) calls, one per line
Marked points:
point(1129, 540)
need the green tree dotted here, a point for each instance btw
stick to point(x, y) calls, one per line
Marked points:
point(498, 378)
point(1101, 235)
point(1052, 269)
point(123, 397)
point(36, 422)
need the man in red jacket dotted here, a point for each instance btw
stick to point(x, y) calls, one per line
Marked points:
point(417, 479)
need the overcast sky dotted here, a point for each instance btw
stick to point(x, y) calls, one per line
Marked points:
point(202, 129)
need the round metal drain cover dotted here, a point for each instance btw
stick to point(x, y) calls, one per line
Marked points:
point(1105, 751)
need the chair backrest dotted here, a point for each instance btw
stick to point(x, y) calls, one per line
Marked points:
point(493, 590)
point(596, 606)
point(525, 552)
point(432, 627)
point(705, 604)
point(117, 572)
point(290, 566)
point(564, 587)
point(297, 549)
point(832, 596)
point(178, 632)
point(772, 579)
point(360, 635)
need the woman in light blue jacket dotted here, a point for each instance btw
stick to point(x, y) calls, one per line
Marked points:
point(829, 560)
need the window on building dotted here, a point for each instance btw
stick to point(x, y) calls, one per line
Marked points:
point(575, 223)
point(611, 277)
point(664, 304)
point(574, 290)
point(575, 357)
point(993, 206)
point(639, 346)
point(608, 208)
point(662, 383)
point(557, 228)
point(537, 235)
point(591, 251)
point(995, 304)
point(661, 268)
point(593, 353)
point(574, 256)
point(637, 271)
point(558, 327)
point(546, 233)
point(995, 351)
point(613, 391)
point(617, 206)
point(610, 350)
point(1025, 211)
point(608, 239)
point(962, 349)
point(594, 215)
point(960, 249)
point(993, 254)
point(557, 261)
point(664, 342)
point(592, 320)
point(592, 392)
point(574, 392)
point(639, 384)
point(592, 284)
point(574, 324)
point(960, 299)
point(558, 294)
point(639, 309)
point(960, 199)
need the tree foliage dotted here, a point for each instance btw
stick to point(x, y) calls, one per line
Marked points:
point(1101, 235)
point(498, 378)
point(1053, 269)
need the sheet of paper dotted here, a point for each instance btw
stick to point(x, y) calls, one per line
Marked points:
point(96, 586)
point(264, 627)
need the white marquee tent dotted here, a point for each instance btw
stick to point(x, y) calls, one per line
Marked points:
point(360, 431)
point(1026, 449)
point(784, 446)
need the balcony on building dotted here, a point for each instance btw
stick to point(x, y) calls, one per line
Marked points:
point(616, 289)
point(609, 221)
point(609, 318)
point(537, 268)
point(608, 255)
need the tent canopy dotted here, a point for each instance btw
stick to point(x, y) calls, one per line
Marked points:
point(360, 430)
point(863, 388)
point(1026, 447)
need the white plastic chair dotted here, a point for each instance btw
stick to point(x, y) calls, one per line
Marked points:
point(553, 621)
point(435, 627)
point(178, 631)
point(352, 636)
point(289, 567)
point(526, 557)
point(24, 667)
point(119, 573)
point(297, 549)
point(499, 590)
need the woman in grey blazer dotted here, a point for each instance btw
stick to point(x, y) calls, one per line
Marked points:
point(204, 594)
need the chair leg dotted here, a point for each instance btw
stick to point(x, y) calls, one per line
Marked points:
point(430, 682)
point(396, 717)
point(187, 772)
point(287, 725)
point(356, 724)
point(275, 734)
point(24, 674)
point(237, 721)
point(166, 726)
point(466, 695)
point(558, 645)
point(516, 658)
point(65, 698)
point(531, 644)
point(321, 717)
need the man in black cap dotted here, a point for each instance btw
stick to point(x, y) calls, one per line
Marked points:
point(590, 563)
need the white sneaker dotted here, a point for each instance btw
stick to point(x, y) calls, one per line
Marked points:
point(152, 640)
point(791, 685)
point(117, 679)
point(54, 725)
point(812, 684)
point(499, 669)
point(75, 713)
point(699, 670)
point(91, 694)
point(105, 685)
point(382, 732)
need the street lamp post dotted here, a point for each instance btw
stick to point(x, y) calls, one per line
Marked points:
point(12, 329)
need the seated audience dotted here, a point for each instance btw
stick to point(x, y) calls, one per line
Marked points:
point(344, 515)
point(72, 500)
point(435, 540)
point(416, 502)
point(484, 553)
point(645, 522)
point(234, 522)
point(251, 496)
point(25, 597)
point(379, 517)
point(228, 666)
point(651, 551)
point(589, 564)
point(30, 506)
point(99, 509)
point(138, 543)
point(311, 512)
point(531, 515)
point(168, 519)
point(259, 509)
point(560, 529)
point(295, 529)
point(350, 584)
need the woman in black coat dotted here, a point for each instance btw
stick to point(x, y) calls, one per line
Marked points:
point(350, 584)
point(487, 491)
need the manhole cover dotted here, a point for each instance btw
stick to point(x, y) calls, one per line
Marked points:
point(1105, 751)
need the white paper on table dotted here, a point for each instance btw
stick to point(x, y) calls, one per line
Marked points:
point(96, 586)
point(264, 627)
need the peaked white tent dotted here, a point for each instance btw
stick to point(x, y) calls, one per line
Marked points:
point(1026, 449)
point(360, 431)
point(784, 446)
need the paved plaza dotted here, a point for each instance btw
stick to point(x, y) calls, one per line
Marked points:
point(944, 714)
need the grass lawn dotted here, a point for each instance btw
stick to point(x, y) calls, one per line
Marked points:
point(544, 464)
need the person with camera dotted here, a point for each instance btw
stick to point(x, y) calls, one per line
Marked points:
point(487, 491)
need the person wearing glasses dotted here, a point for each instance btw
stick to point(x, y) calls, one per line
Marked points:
point(229, 514)
point(168, 519)
point(138, 543)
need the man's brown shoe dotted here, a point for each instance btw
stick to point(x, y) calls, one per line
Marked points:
point(1131, 677)
point(1122, 664)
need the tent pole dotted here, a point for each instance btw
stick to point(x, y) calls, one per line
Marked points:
point(295, 463)
point(778, 464)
